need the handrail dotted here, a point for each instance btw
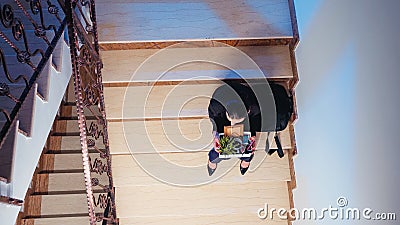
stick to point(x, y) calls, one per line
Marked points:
point(19, 43)
point(88, 88)
point(80, 18)
point(11, 201)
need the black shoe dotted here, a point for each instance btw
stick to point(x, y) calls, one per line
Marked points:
point(210, 171)
point(243, 170)
point(271, 151)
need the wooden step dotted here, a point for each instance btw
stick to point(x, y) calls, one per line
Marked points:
point(67, 182)
point(170, 136)
point(83, 220)
point(221, 219)
point(188, 20)
point(208, 200)
point(160, 136)
point(73, 142)
point(69, 112)
point(158, 101)
point(176, 136)
point(65, 204)
point(190, 168)
point(166, 101)
point(72, 159)
point(64, 163)
point(71, 125)
point(216, 219)
point(196, 64)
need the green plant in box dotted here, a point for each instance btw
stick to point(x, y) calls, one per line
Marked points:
point(230, 145)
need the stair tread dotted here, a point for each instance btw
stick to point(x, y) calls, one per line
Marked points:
point(65, 204)
point(190, 168)
point(70, 162)
point(170, 136)
point(214, 219)
point(210, 199)
point(217, 219)
point(120, 66)
point(72, 126)
point(58, 182)
point(163, 101)
point(61, 220)
point(159, 101)
point(188, 20)
point(180, 201)
point(73, 143)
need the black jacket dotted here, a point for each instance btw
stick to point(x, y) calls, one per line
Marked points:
point(229, 92)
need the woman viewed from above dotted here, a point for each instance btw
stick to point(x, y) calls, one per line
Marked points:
point(233, 104)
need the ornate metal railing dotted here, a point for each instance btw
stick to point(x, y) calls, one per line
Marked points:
point(30, 30)
point(86, 67)
point(80, 17)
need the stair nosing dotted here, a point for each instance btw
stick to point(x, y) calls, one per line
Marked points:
point(107, 84)
point(74, 192)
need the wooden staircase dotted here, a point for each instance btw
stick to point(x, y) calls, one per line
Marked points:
point(167, 118)
point(58, 194)
point(158, 80)
point(22, 143)
point(158, 125)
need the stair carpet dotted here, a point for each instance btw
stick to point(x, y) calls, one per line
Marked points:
point(175, 127)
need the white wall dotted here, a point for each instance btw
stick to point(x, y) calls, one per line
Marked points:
point(347, 132)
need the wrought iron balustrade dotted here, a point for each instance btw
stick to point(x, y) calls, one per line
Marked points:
point(26, 21)
point(29, 33)
point(88, 88)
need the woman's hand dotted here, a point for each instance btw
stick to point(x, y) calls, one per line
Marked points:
point(253, 143)
point(217, 145)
